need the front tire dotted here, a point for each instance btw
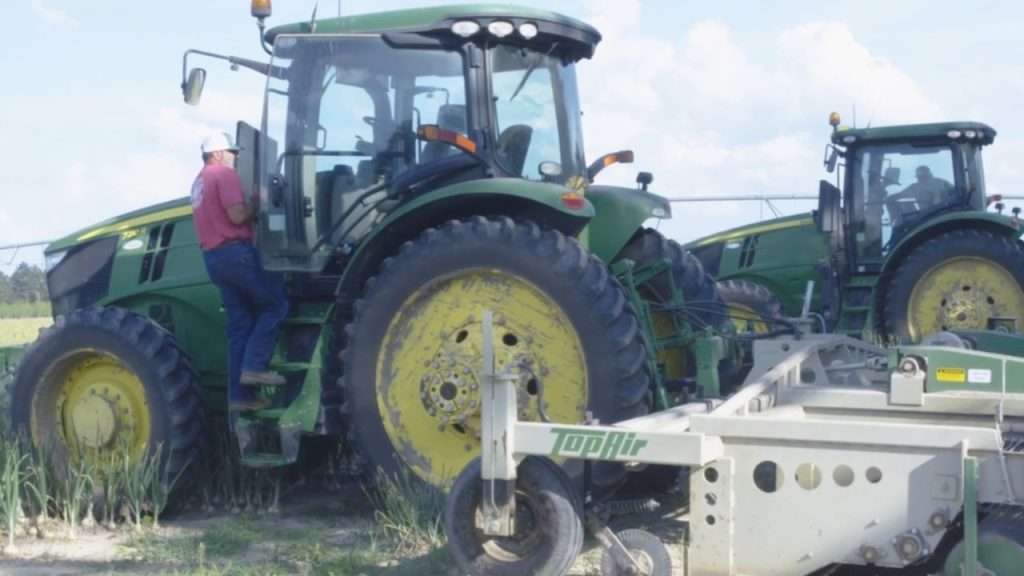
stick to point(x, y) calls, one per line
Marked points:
point(100, 377)
point(959, 280)
point(414, 348)
point(549, 527)
point(750, 305)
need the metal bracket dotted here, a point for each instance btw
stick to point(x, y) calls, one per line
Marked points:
point(497, 442)
point(610, 542)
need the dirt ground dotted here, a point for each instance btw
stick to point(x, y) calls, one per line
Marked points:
point(329, 533)
point(324, 533)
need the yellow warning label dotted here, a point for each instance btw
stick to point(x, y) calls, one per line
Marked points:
point(951, 375)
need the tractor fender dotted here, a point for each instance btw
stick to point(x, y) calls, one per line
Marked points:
point(620, 212)
point(513, 197)
point(995, 223)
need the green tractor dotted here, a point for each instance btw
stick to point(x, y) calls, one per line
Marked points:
point(905, 250)
point(413, 168)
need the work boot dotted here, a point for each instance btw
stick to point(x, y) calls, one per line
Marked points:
point(248, 404)
point(266, 378)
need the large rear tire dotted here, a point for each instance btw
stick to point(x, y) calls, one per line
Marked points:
point(100, 377)
point(704, 308)
point(959, 280)
point(413, 350)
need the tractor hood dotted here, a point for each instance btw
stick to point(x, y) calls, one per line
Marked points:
point(793, 221)
point(127, 222)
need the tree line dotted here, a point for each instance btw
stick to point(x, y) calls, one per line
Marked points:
point(26, 284)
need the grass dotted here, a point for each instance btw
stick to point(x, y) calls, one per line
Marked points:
point(25, 309)
point(18, 331)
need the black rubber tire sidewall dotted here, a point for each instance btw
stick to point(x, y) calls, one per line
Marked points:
point(550, 487)
point(751, 295)
point(1004, 251)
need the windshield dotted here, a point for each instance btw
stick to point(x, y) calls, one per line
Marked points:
point(537, 114)
point(895, 188)
point(341, 118)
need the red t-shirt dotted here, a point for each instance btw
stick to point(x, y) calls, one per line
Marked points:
point(215, 189)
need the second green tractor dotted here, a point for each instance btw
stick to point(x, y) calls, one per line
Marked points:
point(906, 249)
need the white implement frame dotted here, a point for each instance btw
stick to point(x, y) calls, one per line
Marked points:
point(825, 455)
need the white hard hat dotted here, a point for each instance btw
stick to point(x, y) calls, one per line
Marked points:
point(218, 141)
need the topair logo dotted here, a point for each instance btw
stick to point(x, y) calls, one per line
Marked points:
point(596, 444)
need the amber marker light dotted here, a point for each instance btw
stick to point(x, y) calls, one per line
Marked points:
point(261, 9)
point(433, 133)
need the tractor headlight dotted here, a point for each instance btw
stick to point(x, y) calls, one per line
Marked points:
point(528, 30)
point(53, 259)
point(501, 28)
point(970, 133)
point(953, 134)
point(465, 28)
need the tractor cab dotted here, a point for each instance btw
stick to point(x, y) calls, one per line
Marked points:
point(365, 114)
point(898, 178)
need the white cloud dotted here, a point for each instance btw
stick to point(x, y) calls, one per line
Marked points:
point(709, 114)
point(55, 16)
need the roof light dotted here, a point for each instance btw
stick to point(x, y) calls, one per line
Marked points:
point(260, 9)
point(465, 28)
point(833, 119)
point(528, 30)
point(954, 134)
point(970, 133)
point(501, 28)
point(849, 139)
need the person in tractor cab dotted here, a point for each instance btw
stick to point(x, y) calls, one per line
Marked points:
point(928, 191)
point(254, 300)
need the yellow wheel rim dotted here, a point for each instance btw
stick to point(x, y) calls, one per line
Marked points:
point(745, 319)
point(427, 372)
point(963, 293)
point(100, 406)
point(671, 359)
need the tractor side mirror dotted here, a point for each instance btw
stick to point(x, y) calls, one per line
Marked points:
point(192, 88)
point(831, 158)
point(644, 179)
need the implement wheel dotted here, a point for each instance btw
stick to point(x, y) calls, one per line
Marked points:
point(1000, 545)
point(103, 380)
point(646, 549)
point(959, 280)
point(549, 526)
point(749, 304)
point(414, 350)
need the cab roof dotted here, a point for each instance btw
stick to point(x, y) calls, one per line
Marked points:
point(440, 18)
point(939, 130)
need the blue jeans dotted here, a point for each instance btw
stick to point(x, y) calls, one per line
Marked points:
point(255, 303)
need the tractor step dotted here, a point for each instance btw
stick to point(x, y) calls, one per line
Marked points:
point(290, 367)
point(265, 460)
point(268, 414)
point(303, 321)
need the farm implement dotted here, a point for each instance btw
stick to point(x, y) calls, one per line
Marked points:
point(834, 453)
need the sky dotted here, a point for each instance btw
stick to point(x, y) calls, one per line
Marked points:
point(723, 97)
